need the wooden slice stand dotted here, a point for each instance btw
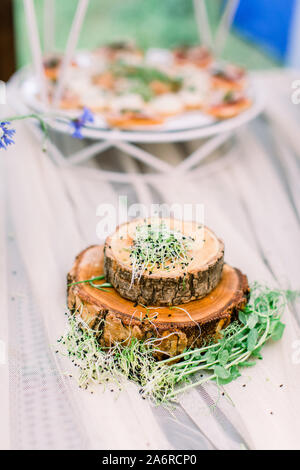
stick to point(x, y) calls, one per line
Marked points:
point(176, 328)
point(160, 286)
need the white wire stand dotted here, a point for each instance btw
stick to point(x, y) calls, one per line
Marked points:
point(215, 134)
point(148, 158)
point(211, 138)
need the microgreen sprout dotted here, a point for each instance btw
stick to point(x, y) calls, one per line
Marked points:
point(91, 282)
point(156, 246)
point(239, 345)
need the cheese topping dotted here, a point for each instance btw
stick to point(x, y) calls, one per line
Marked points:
point(168, 103)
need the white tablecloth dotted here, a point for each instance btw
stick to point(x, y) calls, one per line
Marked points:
point(48, 214)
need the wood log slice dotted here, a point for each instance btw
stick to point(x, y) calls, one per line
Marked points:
point(158, 286)
point(174, 328)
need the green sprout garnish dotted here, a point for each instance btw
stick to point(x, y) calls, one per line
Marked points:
point(239, 345)
point(156, 246)
point(91, 282)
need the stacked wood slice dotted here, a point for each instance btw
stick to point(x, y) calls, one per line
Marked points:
point(178, 303)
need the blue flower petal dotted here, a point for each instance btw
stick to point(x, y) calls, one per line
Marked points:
point(76, 127)
point(77, 124)
point(87, 116)
point(9, 132)
point(77, 134)
point(6, 139)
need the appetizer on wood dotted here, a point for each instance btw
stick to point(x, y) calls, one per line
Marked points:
point(163, 261)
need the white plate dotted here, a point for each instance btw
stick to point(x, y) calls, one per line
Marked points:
point(187, 126)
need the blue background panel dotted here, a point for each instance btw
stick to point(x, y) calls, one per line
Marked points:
point(267, 23)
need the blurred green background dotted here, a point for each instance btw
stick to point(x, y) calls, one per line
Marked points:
point(156, 23)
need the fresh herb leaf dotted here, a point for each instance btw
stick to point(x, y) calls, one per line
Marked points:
point(233, 375)
point(252, 339)
point(252, 320)
point(223, 357)
point(221, 372)
point(243, 317)
point(278, 331)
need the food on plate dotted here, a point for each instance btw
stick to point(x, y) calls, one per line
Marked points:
point(232, 105)
point(163, 261)
point(70, 100)
point(229, 77)
point(168, 104)
point(128, 89)
point(119, 50)
point(105, 80)
point(51, 67)
point(127, 119)
point(199, 56)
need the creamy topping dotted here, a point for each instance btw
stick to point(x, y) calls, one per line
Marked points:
point(191, 99)
point(132, 102)
point(95, 98)
point(168, 103)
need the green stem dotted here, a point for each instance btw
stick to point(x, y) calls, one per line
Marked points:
point(105, 284)
point(204, 367)
point(201, 350)
point(195, 384)
point(245, 356)
point(98, 278)
point(33, 116)
point(100, 286)
point(240, 359)
point(39, 117)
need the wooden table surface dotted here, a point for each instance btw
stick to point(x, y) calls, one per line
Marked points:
point(251, 194)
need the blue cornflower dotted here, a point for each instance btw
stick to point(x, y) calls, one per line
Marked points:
point(78, 123)
point(6, 135)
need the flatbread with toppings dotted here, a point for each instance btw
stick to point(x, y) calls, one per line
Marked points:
point(129, 90)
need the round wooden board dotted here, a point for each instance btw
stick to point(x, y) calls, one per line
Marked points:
point(123, 319)
point(164, 287)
